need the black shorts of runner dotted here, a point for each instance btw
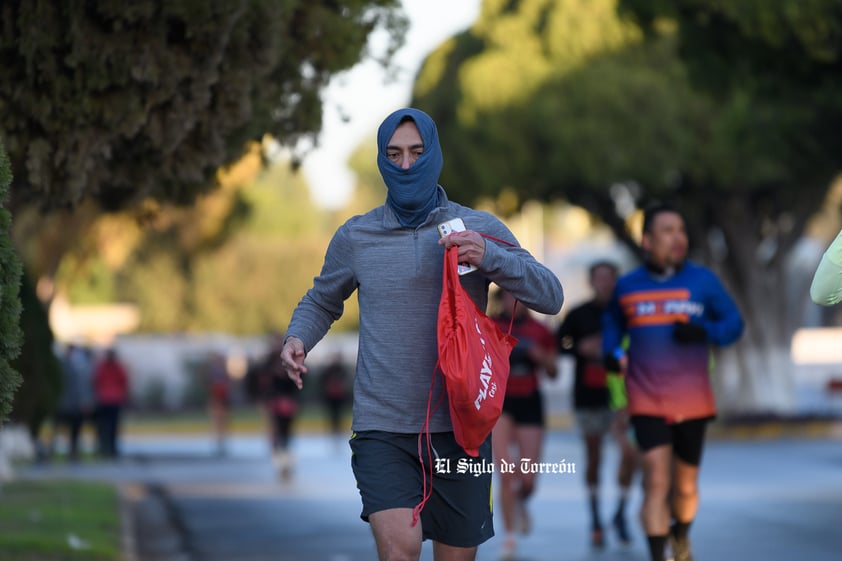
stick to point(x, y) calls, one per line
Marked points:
point(388, 474)
point(687, 437)
point(526, 410)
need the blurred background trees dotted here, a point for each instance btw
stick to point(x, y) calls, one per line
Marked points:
point(119, 103)
point(11, 335)
point(109, 107)
point(117, 117)
point(730, 110)
point(144, 141)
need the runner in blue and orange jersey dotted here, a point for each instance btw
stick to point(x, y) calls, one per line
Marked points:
point(672, 310)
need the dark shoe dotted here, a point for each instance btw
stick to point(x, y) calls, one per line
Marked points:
point(597, 538)
point(619, 523)
point(680, 549)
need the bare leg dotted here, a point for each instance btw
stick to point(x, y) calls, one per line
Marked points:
point(685, 499)
point(655, 513)
point(442, 552)
point(530, 439)
point(219, 420)
point(501, 440)
point(396, 538)
point(625, 474)
point(628, 463)
point(593, 450)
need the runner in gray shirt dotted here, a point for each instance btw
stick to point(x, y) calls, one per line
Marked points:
point(393, 257)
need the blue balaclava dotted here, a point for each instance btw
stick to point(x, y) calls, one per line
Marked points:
point(413, 192)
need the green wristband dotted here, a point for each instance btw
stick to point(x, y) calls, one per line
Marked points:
point(616, 390)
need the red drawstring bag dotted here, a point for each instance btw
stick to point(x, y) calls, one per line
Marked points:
point(474, 358)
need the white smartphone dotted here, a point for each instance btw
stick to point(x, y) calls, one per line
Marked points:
point(447, 228)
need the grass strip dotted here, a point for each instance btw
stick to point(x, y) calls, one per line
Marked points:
point(59, 521)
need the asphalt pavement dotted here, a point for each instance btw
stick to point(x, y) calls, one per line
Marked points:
point(771, 499)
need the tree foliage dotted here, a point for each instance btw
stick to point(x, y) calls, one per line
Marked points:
point(181, 275)
point(183, 282)
point(186, 269)
point(119, 102)
point(35, 402)
point(729, 109)
point(498, 65)
point(10, 309)
point(785, 57)
point(108, 105)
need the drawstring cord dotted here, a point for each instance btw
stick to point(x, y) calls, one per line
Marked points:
point(427, 491)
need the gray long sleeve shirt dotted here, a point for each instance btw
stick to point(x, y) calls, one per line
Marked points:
point(397, 273)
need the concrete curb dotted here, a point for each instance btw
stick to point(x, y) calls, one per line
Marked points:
point(157, 531)
point(128, 496)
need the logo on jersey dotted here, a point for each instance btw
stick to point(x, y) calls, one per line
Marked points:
point(659, 307)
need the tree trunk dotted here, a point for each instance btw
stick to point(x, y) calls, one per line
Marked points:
point(757, 374)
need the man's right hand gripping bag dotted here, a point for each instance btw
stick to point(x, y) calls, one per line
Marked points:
point(474, 358)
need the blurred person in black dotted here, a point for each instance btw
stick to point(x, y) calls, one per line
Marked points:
point(519, 433)
point(580, 335)
point(335, 378)
point(219, 397)
point(268, 382)
point(77, 400)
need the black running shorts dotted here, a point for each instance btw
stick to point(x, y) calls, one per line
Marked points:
point(526, 410)
point(687, 437)
point(388, 473)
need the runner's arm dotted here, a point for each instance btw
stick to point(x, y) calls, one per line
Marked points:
point(826, 289)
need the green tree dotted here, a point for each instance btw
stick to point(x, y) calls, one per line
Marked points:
point(277, 247)
point(109, 105)
point(35, 402)
point(121, 102)
point(94, 122)
point(185, 272)
point(630, 119)
point(184, 269)
point(10, 309)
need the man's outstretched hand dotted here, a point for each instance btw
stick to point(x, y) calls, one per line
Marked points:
point(292, 357)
